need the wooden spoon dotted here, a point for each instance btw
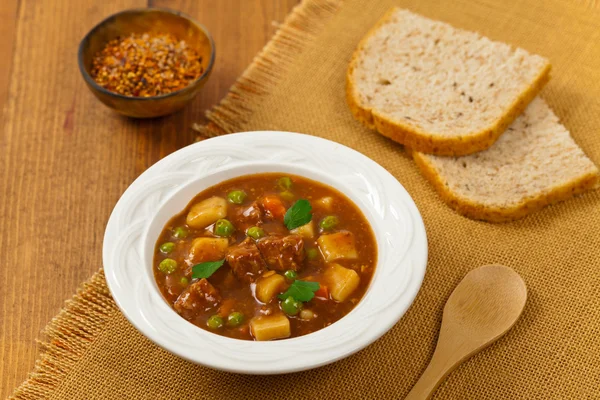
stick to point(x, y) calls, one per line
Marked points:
point(482, 308)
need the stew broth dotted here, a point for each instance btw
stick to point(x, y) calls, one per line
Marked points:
point(242, 225)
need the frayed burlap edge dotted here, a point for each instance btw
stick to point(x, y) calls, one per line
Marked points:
point(67, 337)
point(265, 71)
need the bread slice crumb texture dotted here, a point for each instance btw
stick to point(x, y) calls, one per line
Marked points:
point(438, 89)
point(534, 163)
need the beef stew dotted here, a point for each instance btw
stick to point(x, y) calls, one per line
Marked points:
point(266, 256)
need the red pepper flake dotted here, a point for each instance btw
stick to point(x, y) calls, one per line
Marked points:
point(146, 65)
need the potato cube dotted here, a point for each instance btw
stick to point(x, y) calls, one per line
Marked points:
point(207, 212)
point(208, 249)
point(269, 286)
point(269, 327)
point(341, 281)
point(307, 231)
point(337, 245)
point(325, 203)
point(307, 314)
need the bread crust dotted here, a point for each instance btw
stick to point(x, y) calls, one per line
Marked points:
point(426, 142)
point(474, 210)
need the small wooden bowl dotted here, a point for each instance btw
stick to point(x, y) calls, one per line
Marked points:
point(144, 20)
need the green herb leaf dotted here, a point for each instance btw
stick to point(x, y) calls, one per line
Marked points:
point(206, 269)
point(301, 291)
point(297, 215)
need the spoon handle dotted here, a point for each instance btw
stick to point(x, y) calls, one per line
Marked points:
point(435, 372)
point(449, 353)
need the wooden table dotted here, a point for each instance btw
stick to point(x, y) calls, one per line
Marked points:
point(65, 158)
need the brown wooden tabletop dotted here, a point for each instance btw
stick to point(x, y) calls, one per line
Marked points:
point(65, 158)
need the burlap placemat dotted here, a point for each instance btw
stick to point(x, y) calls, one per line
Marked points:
point(297, 84)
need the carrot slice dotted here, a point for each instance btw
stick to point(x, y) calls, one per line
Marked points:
point(226, 307)
point(273, 206)
point(322, 292)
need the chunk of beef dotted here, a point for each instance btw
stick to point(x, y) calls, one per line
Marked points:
point(245, 217)
point(245, 261)
point(282, 252)
point(272, 228)
point(197, 298)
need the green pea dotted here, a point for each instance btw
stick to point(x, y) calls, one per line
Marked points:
point(215, 322)
point(291, 275)
point(236, 196)
point(287, 195)
point(329, 222)
point(167, 247)
point(180, 232)
point(235, 319)
point(285, 182)
point(184, 281)
point(255, 232)
point(291, 306)
point(167, 266)
point(224, 228)
point(311, 254)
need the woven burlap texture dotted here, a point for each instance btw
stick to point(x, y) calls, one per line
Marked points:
point(297, 84)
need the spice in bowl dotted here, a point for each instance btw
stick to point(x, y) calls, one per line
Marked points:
point(146, 65)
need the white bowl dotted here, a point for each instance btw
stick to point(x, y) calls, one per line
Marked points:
point(166, 188)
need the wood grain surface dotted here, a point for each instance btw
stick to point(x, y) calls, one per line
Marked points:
point(65, 159)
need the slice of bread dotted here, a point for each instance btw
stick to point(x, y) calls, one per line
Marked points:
point(438, 89)
point(534, 163)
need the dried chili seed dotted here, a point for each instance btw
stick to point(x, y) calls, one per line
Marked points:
point(145, 65)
